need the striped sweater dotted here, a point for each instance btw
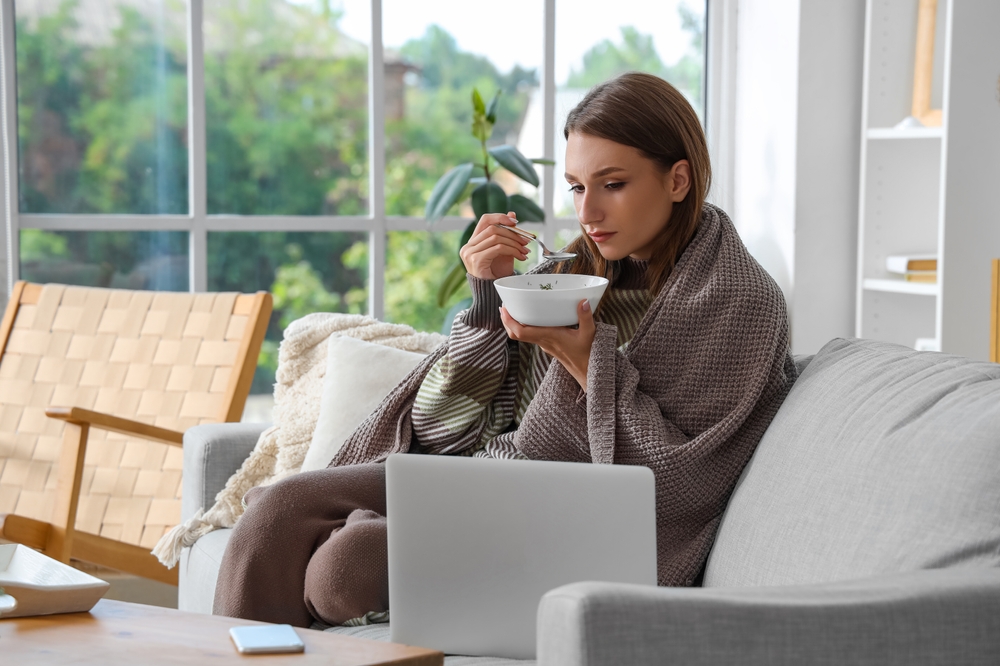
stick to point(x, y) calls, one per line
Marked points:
point(473, 398)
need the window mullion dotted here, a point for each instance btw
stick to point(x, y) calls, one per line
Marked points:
point(549, 120)
point(376, 166)
point(719, 84)
point(8, 95)
point(197, 164)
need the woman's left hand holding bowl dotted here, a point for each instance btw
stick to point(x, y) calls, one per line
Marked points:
point(569, 346)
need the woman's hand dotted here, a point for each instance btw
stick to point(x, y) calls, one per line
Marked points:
point(491, 252)
point(570, 346)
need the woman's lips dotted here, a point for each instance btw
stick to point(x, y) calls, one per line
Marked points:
point(601, 236)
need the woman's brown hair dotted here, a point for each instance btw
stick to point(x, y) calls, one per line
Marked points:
point(647, 113)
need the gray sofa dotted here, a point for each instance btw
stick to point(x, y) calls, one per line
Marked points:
point(865, 530)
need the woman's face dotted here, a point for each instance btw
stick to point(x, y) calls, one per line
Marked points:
point(622, 199)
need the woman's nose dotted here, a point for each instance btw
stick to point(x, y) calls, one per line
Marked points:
point(587, 209)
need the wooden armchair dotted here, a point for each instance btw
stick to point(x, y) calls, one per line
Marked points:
point(96, 389)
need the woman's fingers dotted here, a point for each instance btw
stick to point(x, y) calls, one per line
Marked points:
point(500, 238)
point(491, 251)
point(487, 221)
point(586, 318)
point(477, 254)
point(570, 346)
point(510, 324)
point(495, 251)
point(545, 337)
point(493, 262)
point(487, 225)
point(491, 232)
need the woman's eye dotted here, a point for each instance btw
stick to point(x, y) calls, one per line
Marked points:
point(615, 186)
point(578, 189)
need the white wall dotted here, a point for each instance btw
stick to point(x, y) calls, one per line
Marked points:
point(827, 171)
point(4, 282)
point(970, 237)
point(798, 114)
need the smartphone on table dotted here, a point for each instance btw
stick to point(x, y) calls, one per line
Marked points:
point(266, 639)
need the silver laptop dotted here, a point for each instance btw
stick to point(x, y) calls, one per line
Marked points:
point(474, 544)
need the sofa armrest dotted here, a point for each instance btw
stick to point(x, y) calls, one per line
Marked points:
point(923, 617)
point(212, 453)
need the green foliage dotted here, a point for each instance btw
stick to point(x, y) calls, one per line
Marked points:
point(103, 126)
point(447, 191)
point(482, 126)
point(451, 283)
point(287, 125)
point(607, 60)
point(487, 196)
point(511, 159)
point(117, 259)
point(416, 262)
point(435, 135)
point(102, 129)
point(247, 261)
point(37, 245)
point(298, 290)
point(636, 52)
point(356, 258)
point(526, 209)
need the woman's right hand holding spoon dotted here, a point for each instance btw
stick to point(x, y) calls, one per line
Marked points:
point(491, 252)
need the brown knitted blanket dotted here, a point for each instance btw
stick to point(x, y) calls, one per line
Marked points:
point(690, 397)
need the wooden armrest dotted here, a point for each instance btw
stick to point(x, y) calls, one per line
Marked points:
point(30, 532)
point(81, 416)
point(88, 547)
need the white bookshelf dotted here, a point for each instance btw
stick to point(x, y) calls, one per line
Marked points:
point(905, 133)
point(930, 190)
point(897, 286)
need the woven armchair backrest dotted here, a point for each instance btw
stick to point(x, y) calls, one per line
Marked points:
point(168, 359)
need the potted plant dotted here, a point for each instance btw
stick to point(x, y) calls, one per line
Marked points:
point(477, 180)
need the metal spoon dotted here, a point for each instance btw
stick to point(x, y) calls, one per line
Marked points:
point(547, 254)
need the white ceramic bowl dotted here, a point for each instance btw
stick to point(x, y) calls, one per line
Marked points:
point(549, 300)
point(36, 584)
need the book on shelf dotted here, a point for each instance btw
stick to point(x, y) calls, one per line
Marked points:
point(905, 263)
point(920, 276)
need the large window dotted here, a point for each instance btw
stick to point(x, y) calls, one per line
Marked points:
point(265, 144)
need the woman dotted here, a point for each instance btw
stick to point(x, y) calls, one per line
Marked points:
point(680, 370)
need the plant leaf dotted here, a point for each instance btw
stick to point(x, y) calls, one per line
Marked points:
point(477, 102)
point(467, 234)
point(542, 160)
point(447, 191)
point(526, 209)
point(511, 159)
point(481, 128)
point(489, 198)
point(491, 112)
point(478, 180)
point(451, 283)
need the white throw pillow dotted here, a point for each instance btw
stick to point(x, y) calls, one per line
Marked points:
point(359, 375)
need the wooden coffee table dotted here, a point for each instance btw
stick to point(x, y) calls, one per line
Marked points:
point(115, 632)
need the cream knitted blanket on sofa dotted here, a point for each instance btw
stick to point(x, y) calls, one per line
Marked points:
point(298, 390)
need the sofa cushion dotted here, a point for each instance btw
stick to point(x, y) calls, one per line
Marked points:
point(359, 375)
point(880, 460)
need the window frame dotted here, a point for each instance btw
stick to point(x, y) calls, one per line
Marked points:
point(720, 87)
